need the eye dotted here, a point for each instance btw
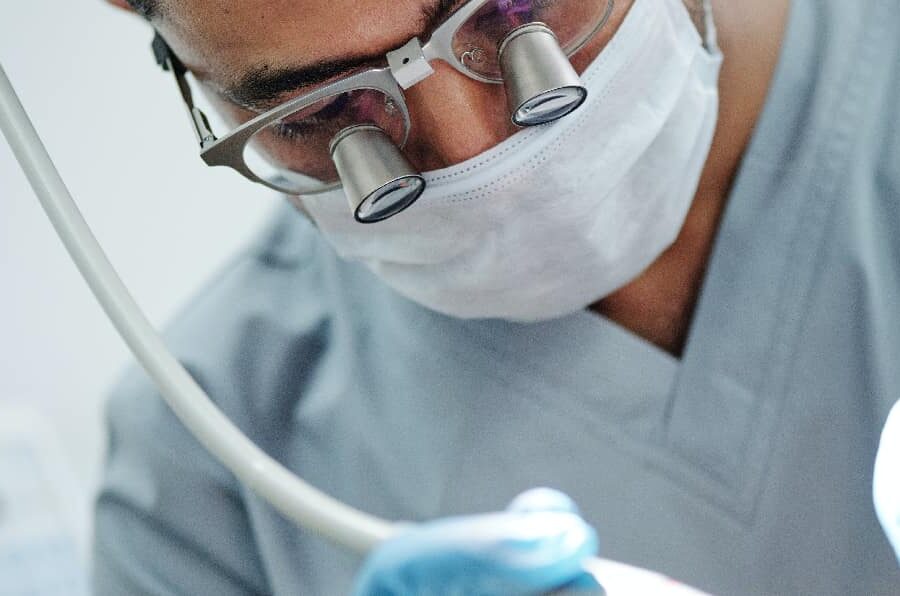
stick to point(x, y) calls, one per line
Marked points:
point(305, 121)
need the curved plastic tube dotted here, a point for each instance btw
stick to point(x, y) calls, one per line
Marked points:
point(293, 497)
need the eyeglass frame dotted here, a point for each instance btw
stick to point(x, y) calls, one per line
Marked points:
point(229, 150)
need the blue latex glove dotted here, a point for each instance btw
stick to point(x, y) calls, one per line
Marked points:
point(538, 544)
point(886, 488)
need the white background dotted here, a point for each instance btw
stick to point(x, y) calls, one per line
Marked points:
point(116, 128)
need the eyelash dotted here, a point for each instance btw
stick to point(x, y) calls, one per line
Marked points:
point(328, 112)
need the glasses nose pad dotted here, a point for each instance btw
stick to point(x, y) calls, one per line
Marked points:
point(378, 179)
point(541, 84)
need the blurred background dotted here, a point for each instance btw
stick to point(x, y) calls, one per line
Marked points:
point(116, 128)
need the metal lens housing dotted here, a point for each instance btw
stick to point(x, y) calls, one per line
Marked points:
point(378, 179)
point(541, 84)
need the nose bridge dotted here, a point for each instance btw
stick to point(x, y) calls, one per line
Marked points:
point(454, 118)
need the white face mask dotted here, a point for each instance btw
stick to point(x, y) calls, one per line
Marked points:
point(558, 216)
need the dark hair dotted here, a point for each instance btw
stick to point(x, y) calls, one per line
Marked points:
point(147, 8)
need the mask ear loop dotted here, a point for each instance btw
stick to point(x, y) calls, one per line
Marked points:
point(706, 20)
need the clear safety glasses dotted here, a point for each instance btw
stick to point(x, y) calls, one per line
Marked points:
point(351, 131)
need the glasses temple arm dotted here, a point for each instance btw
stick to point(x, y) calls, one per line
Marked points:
point(167, 60)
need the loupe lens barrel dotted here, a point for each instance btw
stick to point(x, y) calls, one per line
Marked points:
point(541, 84)
point(378, 179)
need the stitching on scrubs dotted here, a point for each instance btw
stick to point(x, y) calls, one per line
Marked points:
point(622, 437)
point(741, 501)
point(812, 220)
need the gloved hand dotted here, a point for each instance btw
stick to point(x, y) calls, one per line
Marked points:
point(538, 544)
point(886, 486)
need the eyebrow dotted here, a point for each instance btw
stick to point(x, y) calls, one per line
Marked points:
point(263, 87)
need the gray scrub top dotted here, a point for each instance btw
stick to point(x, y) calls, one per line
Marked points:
point(743, 468)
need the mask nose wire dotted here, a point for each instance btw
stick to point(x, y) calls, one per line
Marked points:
point(541, 86)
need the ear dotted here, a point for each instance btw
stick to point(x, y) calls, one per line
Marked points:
point(123, 4)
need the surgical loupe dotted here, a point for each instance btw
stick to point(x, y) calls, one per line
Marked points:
point(351, 132)
point(378, 180)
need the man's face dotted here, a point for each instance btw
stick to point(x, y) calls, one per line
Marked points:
point(254, 54)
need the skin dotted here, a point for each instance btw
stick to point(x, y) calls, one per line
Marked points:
point(457, 117)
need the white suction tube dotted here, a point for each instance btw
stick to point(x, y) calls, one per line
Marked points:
point(294, 498)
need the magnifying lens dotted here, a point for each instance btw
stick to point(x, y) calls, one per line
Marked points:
point(290, 495)
point(541, 84)
point(378, 179)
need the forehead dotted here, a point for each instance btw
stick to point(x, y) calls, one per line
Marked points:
point(220, 40)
